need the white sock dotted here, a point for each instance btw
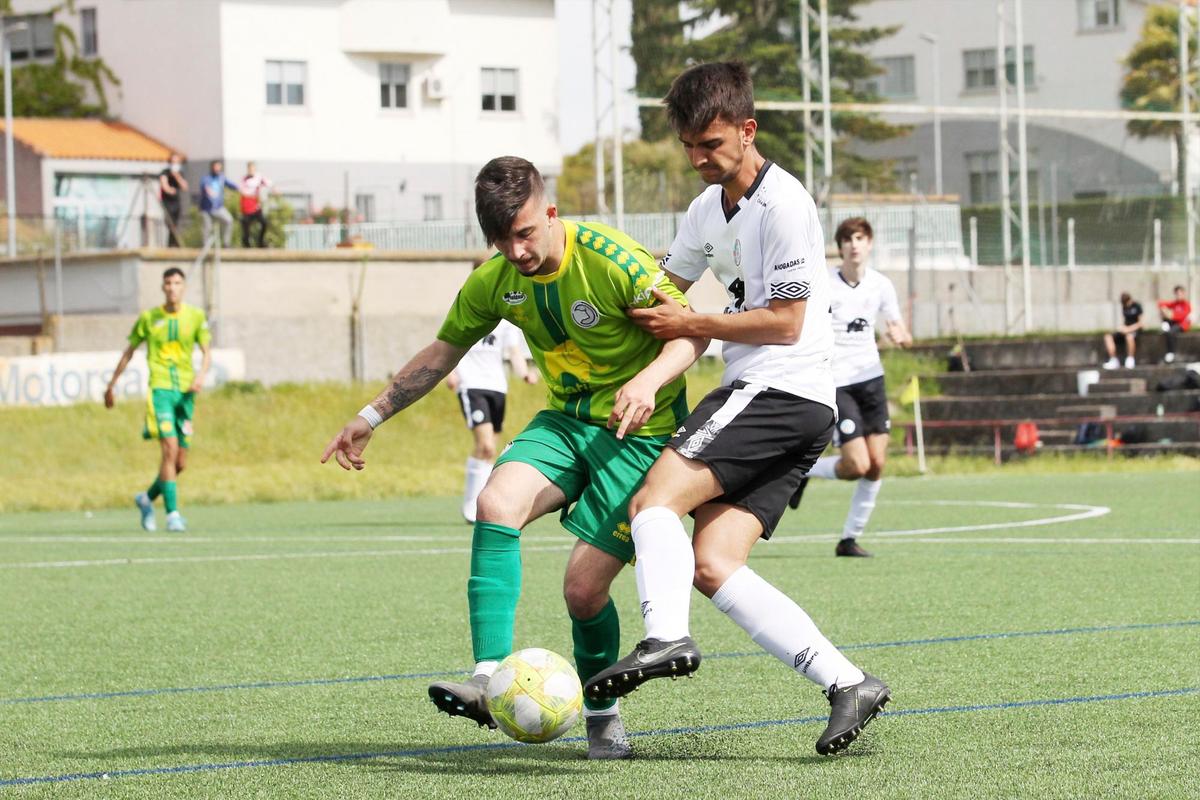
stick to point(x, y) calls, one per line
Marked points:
point(478, 471)
point(664, 568)
point(825, 468)
point(779, 626)
point(603, 712)
point(861, 506)
point(485, 668)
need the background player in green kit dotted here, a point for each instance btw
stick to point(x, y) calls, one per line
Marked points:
point(567, 286)
point(171, 331)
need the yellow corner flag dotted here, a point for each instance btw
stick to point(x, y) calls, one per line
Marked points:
point(912, 393)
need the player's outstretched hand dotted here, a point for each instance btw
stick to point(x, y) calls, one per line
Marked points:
point(632, 406)
point(348, 445)
point(667, 320)
point(109, 399)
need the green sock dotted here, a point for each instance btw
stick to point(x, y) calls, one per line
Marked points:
point(170, 498)
point(597, 646)
point(155, 489)
point(493, 589)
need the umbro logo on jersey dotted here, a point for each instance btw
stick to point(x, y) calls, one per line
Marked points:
point(708, 250)
point(515, 298)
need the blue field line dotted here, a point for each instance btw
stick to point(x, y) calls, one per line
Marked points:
point(227, 687)
point(694, 730)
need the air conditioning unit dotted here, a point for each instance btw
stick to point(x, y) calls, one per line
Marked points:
point(435, 87)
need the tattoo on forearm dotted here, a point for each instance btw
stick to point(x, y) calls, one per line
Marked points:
point(406, 389)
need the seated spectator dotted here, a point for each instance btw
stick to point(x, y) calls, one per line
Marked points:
point(1131, 312)
point(1177, 317)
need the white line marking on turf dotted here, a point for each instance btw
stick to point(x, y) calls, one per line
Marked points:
point(113, 562)
point(1029, 540)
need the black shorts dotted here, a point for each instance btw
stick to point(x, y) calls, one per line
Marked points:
point(759, 442)
point(862, 411)
point(482, 405)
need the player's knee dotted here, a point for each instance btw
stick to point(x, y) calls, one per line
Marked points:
point(711, 573)
point(875, 471)
point(585, 599)
point(495, 507)
point(854, 466)
point(170, 448)
point(485, 451)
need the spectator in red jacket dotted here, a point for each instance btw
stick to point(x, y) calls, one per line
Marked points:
point(253, 191)
point(1177, 317)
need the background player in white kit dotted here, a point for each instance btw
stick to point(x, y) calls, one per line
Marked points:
point(481, 384)
point(860, 297)
point(741, 453)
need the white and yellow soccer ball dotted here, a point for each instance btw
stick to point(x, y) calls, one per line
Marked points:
point(535, 695)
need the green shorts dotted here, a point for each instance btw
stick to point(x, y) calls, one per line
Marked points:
point(169, 415)
point(595, 470)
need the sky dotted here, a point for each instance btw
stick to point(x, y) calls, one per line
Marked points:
point(577, 124)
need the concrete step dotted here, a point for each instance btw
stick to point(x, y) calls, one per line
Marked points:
point(1178, 431)
point(1083, 351)
point(16, 346)
point(1045, 381)
point(1047, 406)
point(1085, 410)
point(1118, 386)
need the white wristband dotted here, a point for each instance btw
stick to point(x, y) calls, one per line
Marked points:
point(373, 417)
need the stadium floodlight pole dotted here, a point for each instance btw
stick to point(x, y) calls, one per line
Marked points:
point(1005, 198)
point(827, 115)
point(10, 181)
point(806, 94)
point(601, 202)
point(937, 115)
point(1189, 209)
point(1022, 165)
point(618, 152)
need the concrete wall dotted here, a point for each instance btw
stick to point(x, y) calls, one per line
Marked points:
point(290, 312)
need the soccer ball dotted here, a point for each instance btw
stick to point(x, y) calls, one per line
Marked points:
point(534, 695)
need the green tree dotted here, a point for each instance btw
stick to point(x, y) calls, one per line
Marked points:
point(657, 178)
point(766, 35)
point(60, 88)
point(1152, 82)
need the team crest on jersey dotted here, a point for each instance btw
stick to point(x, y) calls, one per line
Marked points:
point(857, 325)
point(584, 314)
point(515, 298)
point(737, 252)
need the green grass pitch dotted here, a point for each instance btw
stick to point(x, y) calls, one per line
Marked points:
point(282, 651)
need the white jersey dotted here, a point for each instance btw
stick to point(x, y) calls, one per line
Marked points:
point(770, 247)
point(855, 311)
point(483, 365)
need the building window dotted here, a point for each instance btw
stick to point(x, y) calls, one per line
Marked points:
point(898, 78)
point(285, 83)
point(433, 207)
point(393, 85)
point(34, 40)
point(88, 40)
point(979, 67)
point(983, 175)
point(499, 89)
point(1099, 14)
point(364, 207)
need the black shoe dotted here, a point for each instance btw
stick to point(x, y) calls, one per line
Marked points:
point(467, 699)
point(652, 658)
point(795, 501)
point(851, 709)
point(849, 547)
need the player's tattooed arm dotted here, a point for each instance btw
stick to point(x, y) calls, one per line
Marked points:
point(415, 380)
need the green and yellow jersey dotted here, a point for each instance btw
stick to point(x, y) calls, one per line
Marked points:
point(170, 339)
point(574, 321)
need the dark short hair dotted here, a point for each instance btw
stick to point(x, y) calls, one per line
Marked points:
point(1126, 298)
point(851, 226)
point(705, 92)
point(1179, 289)
point(170, 271)
point(502, 188)
point(214, 162)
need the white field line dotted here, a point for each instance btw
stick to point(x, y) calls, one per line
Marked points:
point(114, 562)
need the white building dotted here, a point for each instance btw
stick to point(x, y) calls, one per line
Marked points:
point(389, 106)
point(1072, 60)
